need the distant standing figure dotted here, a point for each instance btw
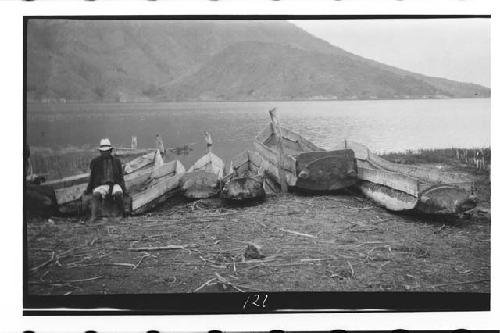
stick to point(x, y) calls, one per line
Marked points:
point(106, 177)
point(479, 159)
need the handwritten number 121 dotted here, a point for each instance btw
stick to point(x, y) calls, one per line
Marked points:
point(255, 303)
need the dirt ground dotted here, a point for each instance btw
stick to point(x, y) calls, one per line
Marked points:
point(341, 242)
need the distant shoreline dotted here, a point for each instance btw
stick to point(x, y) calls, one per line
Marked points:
point(255, 101)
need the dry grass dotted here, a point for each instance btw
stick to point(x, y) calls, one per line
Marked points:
point(442, 156)
point(355, 246)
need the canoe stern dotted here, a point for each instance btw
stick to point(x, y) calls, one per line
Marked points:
point(445, 199)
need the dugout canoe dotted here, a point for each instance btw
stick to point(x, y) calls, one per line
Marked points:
point(246, 181)
point(203, 178)
point(399, 187)
point(293, 161)
point(148, 179)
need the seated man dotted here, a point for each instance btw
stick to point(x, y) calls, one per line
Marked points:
point(106, 178)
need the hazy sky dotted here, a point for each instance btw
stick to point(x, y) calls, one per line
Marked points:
point(457, 49)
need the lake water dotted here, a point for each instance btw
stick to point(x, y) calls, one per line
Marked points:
point(393, 125)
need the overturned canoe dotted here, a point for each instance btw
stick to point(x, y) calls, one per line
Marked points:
point(245, 181)
point(291, 160)
point(408, 187)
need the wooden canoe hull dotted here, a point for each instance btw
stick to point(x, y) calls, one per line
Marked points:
point(163, 182)
point(200, 184)
point(270, 164)
point(311, 170)
point(326, 171)
point(244, 188)
point(70, 189)
point(413, 188)
point(147, 188)
point(278, 154)
point(203, 179)
point(388, 197)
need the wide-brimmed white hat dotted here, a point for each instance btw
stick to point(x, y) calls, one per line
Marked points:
point(105, 145)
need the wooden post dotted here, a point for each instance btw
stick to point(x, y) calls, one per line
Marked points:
point(275, 127)
point(159, 144)
point(208, 140)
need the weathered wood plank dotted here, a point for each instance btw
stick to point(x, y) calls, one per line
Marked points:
point(68, 181)
point(209, 163)
point(270, 165)
point(247, 161)
point(139, 162)
point(68, 194)
point(390, 179)
point(271, 156)
point(159, 188)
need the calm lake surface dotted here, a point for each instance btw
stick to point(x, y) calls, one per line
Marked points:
point(394, 125)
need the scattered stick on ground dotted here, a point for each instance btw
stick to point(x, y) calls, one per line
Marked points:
point(226, 281)
point(158, 248)
point(54, 259)
point(206, 283)
point(142, 258)
point(457, 283)
point(298, 233)
point(352, 269)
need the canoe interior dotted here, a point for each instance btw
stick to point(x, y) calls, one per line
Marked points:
point(326, 171)
point(246, 163)
point(209, 163)
point(246, 178)
point(293, 144)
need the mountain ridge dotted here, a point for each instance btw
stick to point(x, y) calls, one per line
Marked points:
point(133, 61)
